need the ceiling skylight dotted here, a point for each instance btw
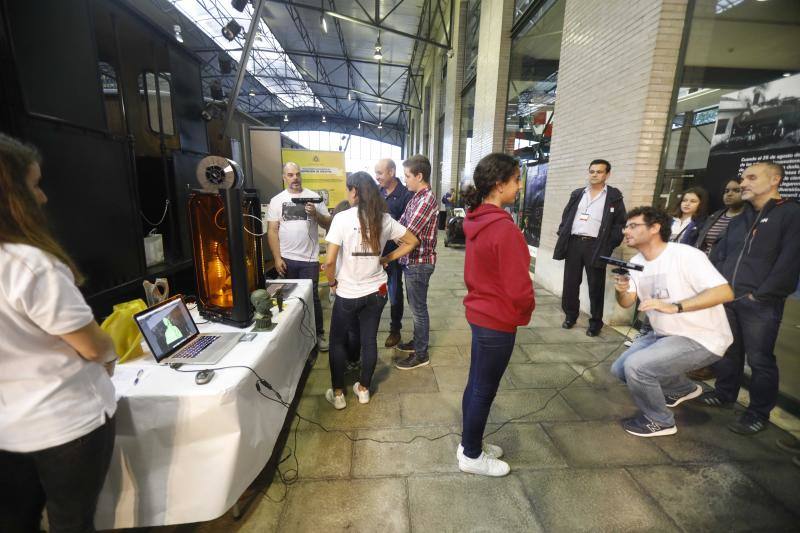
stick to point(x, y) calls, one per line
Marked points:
point(268, 62)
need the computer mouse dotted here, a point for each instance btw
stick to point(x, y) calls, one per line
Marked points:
point(203, 377)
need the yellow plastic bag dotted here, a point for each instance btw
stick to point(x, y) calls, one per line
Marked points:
point(123, 330)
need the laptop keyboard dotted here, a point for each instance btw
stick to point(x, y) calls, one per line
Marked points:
point(201, 344)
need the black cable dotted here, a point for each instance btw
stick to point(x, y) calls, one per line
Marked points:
point(292, 475)
point(305, 329)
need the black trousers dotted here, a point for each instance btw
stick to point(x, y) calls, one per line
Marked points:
point(67, 478)
point(366, 311)
point(308, 270)
point(579, 258)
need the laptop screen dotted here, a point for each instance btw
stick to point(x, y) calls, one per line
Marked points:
point(167, 327)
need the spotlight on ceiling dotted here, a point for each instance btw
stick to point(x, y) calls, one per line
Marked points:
point(378, 55)
point(323, 119)
point(349, 96)
point(225, 65)
point(380, 105)
point(211, 111)
point(215, 88)
point(359, 125)
point(380, 125)
point(239, 5)
point(286, 118)
point(324, 24)
point(231, 30)
point(787, 74)
point(251, 92)
point(178, 34)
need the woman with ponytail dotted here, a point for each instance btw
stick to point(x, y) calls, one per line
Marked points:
point(357, 237)
point(499, 299)
point(56, 399)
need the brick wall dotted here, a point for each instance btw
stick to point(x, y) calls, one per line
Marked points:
point(615, 82)
point(491, 80)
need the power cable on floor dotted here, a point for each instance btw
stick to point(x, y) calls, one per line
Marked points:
point(292, 475)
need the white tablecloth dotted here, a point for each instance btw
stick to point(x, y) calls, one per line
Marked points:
point(186, 452)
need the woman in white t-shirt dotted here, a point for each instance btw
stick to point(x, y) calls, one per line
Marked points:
point(357, 237)
point(56, 399)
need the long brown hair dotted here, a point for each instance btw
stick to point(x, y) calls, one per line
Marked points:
point(371, 207)
point(702, 208)
point(22, 220)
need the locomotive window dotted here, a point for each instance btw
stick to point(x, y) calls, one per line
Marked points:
point(151, 94)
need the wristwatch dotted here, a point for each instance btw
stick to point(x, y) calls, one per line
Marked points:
point(679, 306)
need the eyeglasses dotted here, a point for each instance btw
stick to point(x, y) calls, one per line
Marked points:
point(634, 225)
point(737, 189)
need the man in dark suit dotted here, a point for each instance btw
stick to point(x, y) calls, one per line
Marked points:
point(591, 226)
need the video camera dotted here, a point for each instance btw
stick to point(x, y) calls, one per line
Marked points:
point(307, 200)
point(623, 267)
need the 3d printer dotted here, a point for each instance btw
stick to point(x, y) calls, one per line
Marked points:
point(225, 224)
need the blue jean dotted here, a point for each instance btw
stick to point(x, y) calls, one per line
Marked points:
point(654, 366)
point(755, 327)
point(491, 351)
point(417, 279)
point(66, 478)
point(308, 270)
point(347, 312)
point(394, 273)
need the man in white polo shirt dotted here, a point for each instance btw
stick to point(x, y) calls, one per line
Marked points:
point(682, 294)
point(293, 237)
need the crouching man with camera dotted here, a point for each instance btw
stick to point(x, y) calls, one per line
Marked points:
point(682, 294)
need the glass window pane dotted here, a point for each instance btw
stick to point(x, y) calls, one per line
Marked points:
point(471, 40)
point(735, 88)
point(147, 87)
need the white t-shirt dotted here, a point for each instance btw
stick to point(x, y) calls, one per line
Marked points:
point(298, 234)
point(678, 226)
point(360, 273)
point(678, 273)
point(49, 395)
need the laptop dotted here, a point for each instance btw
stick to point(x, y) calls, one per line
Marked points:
point(285, 288)
point(172, 335)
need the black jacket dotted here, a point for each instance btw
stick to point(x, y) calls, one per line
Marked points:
point(710, 221)
point(690, 232)
point(610, 234)
point(759, 253)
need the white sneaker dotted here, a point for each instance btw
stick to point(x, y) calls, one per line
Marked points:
point(489, 449)
point(363, 396)
point(337, 401)
point(485, 465)
point(322, 344)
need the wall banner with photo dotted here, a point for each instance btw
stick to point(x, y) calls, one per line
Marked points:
point(760, 123)
point(533, 202)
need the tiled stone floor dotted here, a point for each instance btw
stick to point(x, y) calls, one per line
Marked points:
point(573, 468)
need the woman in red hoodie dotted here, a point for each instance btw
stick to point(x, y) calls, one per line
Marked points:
point(499, 299)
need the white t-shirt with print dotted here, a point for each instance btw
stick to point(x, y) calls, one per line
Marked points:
point(678, 273)
point(360, 272)
point(298, 234)
point(49, 395)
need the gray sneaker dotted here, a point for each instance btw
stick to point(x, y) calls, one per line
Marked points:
point(412, 361)
point(673, 400)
